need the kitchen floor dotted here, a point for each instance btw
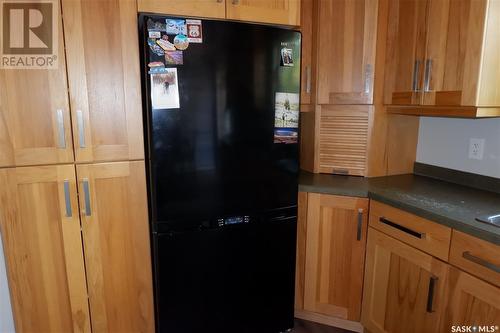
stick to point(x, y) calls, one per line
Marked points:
point(304, 326)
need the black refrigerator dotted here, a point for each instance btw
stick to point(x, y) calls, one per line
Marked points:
point(221, 111)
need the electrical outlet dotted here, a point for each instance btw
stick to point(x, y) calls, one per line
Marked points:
point(476, 149)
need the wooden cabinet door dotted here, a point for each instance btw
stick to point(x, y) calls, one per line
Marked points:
point(403, 288)
point(285, 12)
point(42, 243)
point(335, 253)
point(35, 124)
point(201, 8)
point(347, 32)
point(452, 62)
point(104, 79)
point(113, 206)
point(306, 63)
point(405, 51)
point(470, 302)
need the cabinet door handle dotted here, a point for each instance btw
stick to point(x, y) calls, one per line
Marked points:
point(236, 2)
point(308, 79)
point(428, 72)
point(368, 78)
point(360, 224)
point(219, 1)
point(468, 256)
point(416, 70)
point(67, 199)
point(81, 128)
point(61, 133)
point(86, 195)
point(402, 228)
point(430, 295)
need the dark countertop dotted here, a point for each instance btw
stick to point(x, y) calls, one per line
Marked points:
point(446, 203)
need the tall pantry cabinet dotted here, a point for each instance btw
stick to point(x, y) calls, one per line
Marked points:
point(73, 210)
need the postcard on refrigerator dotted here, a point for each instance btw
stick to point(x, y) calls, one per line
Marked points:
point(165, 89)
point(176, 26)
point(286, 110)
point(194, 31)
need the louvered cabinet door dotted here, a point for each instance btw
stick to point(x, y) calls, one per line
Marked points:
point(40, 229)
point(35, 127)
point(343, 138)
point(102, 51)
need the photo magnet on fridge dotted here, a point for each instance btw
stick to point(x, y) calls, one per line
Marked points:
point(194, 31)
point(154, 34)
point(286, 117)
point(181, 42)
point(176, 26)
point(165, 89)
point(174, 58)
point(286, 57)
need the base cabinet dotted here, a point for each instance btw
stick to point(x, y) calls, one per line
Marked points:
point(335, 252)
point(403, 287)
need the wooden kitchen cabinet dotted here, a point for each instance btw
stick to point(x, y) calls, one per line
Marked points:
point(470, 302)
point(116, 240)
point(286, 12)
point(35, 125)
point(306, 61)
point(346, 35)
point(446, 61)
point(102, 51)
point(201, 8)
point(403, 287)
point(40, 229)
point(335, 253)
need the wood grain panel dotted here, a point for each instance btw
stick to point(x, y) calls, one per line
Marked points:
point(454, 41)
point(405, 48)
point(43, 249)
point(346, 51)
point(343, 135)
point(201, 8)
point(482, 252)
point(309, 36)
point(285, 12)
point(117, 250)
point(104, 79)
point(470, 302)
point(396, 288)
point(308, 140)
point(335, 255)
point(29, 102)
point(434, 238)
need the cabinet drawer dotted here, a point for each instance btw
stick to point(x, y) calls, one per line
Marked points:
point(476, 256)
point(423, 234)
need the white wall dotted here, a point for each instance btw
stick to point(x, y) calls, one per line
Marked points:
point(6, 321)
point(444, 142)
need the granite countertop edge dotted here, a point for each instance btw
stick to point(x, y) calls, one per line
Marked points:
point(437, 218)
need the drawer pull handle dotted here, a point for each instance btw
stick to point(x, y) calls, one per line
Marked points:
point(468, 256)
point(401, 228)
point(360, 224)
point(430, 295)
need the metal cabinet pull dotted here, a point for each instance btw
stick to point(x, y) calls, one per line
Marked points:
point(86, 194)
point(308, 79)
point(81, 128)
point(402, 228)
point(368, 78)
point(236, 2)
point(430, 295)
point(360, 224)
point(67, 199)
point(416, 70)
point(61, 133)
point(468, 256)
point(428, 72)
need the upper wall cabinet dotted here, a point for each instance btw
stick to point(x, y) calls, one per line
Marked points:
point(346, 51)
point(35, 125)
point(104, 79)
point(443, 57)
point(286, 12)
point(201, 8)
